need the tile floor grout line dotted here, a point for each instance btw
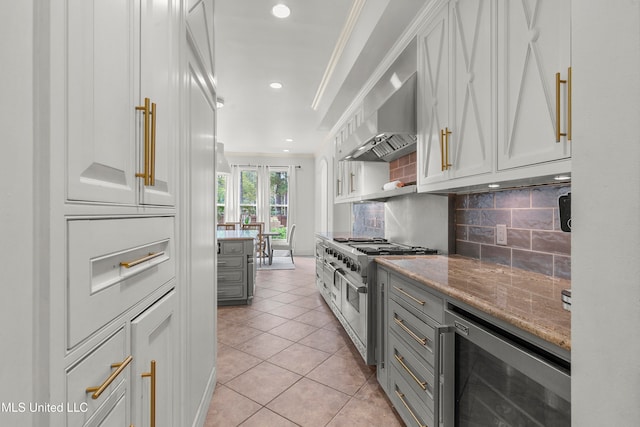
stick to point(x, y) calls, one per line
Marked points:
point(241, 316)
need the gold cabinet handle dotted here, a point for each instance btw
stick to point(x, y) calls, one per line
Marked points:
point(422, 384)
point(97, 391)
point(569, 104)
point(129, 264)
point(338, 190)
point(400, 323)
point(406, 405)
point(146, 110)
point(447, 132)
point(403, 292)
point(152, 159)
point(351, 186)
point(559, 82)
point(443, 167)
point(152, 375)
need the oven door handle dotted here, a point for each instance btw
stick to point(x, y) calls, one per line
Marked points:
point(359, 289)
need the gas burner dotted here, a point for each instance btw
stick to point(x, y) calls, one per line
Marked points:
point(359, 240)
point(392, 249)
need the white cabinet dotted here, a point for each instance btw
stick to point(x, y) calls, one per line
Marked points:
point(433, 98)
point(354, 179)
point(200, 318)
point(117, 55)
point(534, 44)
point(455, 113)
point(153, 346)
point(493, 94)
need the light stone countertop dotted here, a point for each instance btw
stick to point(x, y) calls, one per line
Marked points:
point(236, 234)
point(529, 301)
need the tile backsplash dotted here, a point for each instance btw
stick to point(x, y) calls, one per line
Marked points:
point(534, 239)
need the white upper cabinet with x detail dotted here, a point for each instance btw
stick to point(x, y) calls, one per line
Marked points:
point(534, 45)
point(456, 113)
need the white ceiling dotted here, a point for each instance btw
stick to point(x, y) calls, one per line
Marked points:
point(254, 48)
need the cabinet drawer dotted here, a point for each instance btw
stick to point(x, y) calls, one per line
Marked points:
point(231, 262)
point(232, 292)
point(231, 247)
point(413, 331)
point(418, 375)
point(416, 297)
point(413, 410)
point(230, 276)
point(113, 264)
point(92, 371)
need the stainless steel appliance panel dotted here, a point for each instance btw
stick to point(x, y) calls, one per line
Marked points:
point(353, 306)
point(499, 379)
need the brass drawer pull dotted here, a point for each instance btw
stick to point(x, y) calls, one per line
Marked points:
point(442, 166)
point(146, 109)
point(403, 292)
point(152, 375)
point(152, 160)
point(447, 132)
point(560, 81)
point(406, 405)
point(151, 255)
point(422, 384)
point(400, 323)
point(97, 391)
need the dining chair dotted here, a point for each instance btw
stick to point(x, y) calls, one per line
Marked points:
point(226, 226)
point(288, 244)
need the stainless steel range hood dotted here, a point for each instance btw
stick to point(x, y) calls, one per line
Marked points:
point(390, 132)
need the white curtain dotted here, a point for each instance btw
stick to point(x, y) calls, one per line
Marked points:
point(293, 197)
point(263, 213)
point(232, 197)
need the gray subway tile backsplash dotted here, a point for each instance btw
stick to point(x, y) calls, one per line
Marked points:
point(534, 239)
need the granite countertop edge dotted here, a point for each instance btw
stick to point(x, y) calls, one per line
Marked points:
point(554, 328)
point(236, 234)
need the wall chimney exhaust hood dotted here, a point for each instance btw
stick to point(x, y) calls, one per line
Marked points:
point(390, 132)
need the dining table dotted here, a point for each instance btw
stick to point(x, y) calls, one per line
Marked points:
point(268, 235)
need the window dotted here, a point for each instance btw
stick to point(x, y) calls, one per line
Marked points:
point(248, 195)
point(278, 202)
point(221, 189)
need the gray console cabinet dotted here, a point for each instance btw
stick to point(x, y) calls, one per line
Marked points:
point(236, 271)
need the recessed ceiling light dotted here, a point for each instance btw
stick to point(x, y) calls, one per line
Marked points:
point(276, 85)
point(285, 150)
point(494, 185)
point(280, 11)
point(562, 177)
point(289, 140)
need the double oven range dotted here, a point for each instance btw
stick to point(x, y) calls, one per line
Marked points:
point(346, 278)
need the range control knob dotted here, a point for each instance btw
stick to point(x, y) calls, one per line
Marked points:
point(355, 267)
point(347, 262)
point(339, 257)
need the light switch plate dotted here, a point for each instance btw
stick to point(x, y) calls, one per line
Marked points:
point(501, 234)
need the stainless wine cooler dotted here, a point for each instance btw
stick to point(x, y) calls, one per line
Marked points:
point(495, 378)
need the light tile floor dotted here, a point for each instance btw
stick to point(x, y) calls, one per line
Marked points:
point(286, 361)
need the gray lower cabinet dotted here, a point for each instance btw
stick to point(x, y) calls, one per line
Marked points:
point(409, 347)
point(236, 271)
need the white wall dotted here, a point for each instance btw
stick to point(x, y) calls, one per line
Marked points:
point(606, 213)
point(338, 216)
point(305, 199)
